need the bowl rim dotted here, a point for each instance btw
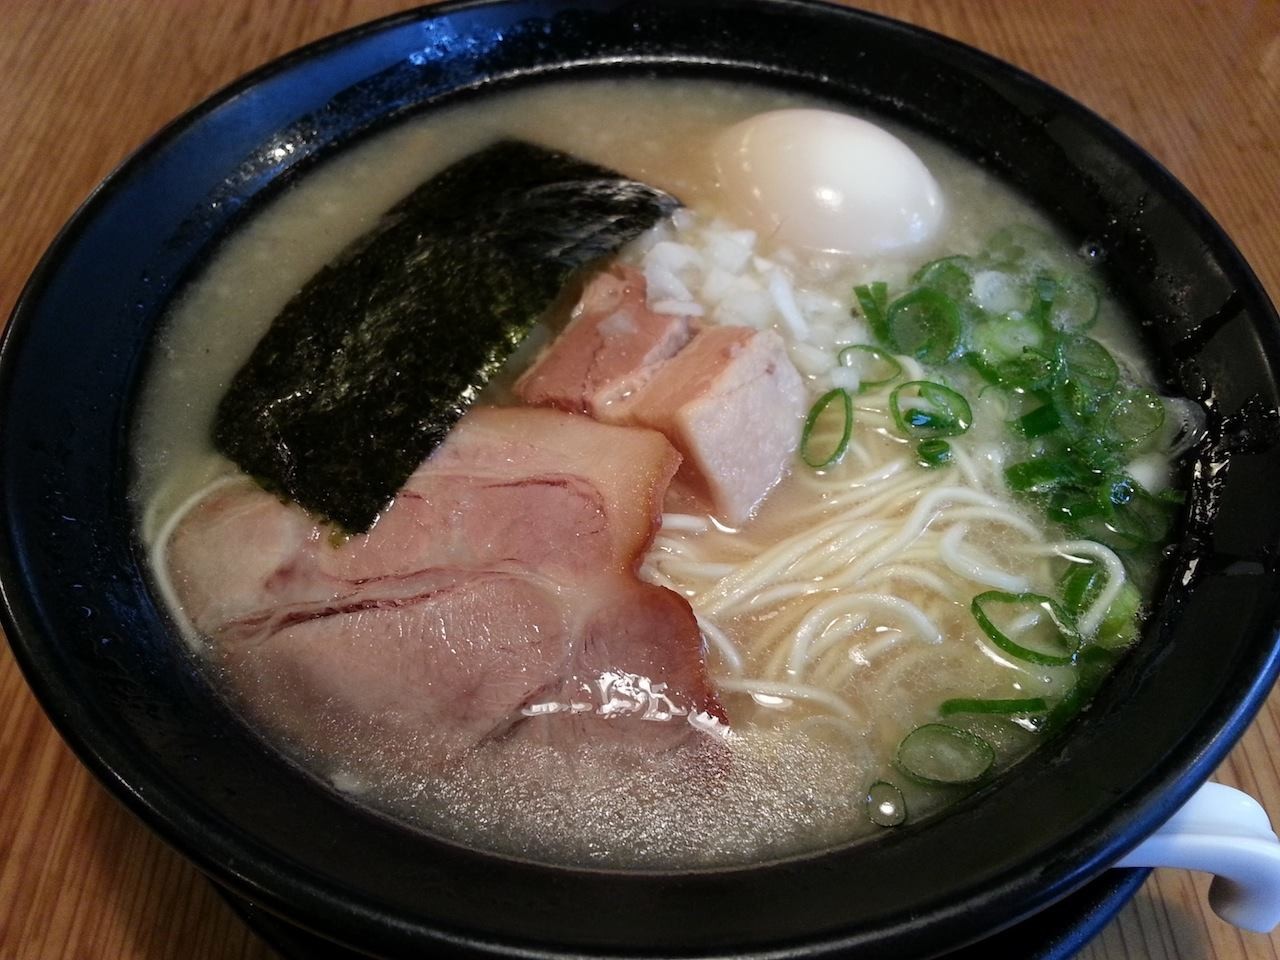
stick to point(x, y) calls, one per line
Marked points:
point(179, 826)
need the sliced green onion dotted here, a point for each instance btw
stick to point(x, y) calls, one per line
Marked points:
point(1031, 370)
point(1094, 663)
point(1056, 642)
point(1018, 318)
point(1011, 245)
point(1080, 586)
point(1119, 627)
point(1075, 308)
point(1075, 404)
point(950, 276)
point(1097, 457)
point(1040, 475)
point(941, 753)
point(885, 804)
point(1096, 659)
point(873, 299)
point(846, 430)
point(1043, 292)
point(1021, 708)
point(1073, 505)
point(1043, 419)
point(924, 409)
point(934, 453)
point(1091, 496)
point(1144, 519)
point(1085, 361)
point(1134, 417)
point(1005, 338)
point(890, 369)
point(983, 369)
point(924, 324)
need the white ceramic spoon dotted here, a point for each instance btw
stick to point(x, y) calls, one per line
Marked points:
point(1227, 833)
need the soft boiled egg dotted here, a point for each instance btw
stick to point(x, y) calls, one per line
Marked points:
point(826, 181)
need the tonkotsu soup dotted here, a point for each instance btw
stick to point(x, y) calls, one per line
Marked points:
point(816, 500)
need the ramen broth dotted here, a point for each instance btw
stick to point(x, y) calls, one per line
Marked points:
point(837, 619)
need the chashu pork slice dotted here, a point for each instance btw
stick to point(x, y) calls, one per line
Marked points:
point(728, 397)
point(611, 347)
point(733, 404)
point(496, 597)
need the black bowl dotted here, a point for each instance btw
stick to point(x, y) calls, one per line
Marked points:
point(97, 648)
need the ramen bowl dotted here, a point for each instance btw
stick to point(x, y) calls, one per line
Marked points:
point(141, 714)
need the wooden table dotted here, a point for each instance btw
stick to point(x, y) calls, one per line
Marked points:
point(83, 83)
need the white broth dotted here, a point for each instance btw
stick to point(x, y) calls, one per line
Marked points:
point(837, 620)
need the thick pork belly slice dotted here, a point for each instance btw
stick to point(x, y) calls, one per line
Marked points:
point(238, 552)
point(443, 660)
point(632, 663)
point(733, 405)
point(612, 346)
point(503, 576)
point(530, 489)
point(564, 496)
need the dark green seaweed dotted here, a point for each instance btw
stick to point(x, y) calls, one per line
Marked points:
point(368, 367)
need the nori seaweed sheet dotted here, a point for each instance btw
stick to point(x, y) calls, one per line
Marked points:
point(368, 367)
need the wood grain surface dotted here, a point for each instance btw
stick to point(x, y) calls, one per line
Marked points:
point(84, 82)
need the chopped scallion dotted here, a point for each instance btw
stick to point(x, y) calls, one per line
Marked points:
point(1119, 627)
point(1071, 404)
point(1010, 246)
point(1031, 370)
point(1072, 504)
point(1143, 519)
point(951, 276)
point(1021, 708)
point(934, 453)
point(924, 324)
point(1043, 419)
point(941, 753)
point(1001, 339)
point(1035, 619)
point(1080, 586)
point(886, 366)
point(1084, 361)
point(1075, 308)
point(927, 410)
point(1093, 665)
point(1043, 292)
point(873, 298)
point(1134, 417)
point(846, 429)
point(1018, 318)
point(1042, 475)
